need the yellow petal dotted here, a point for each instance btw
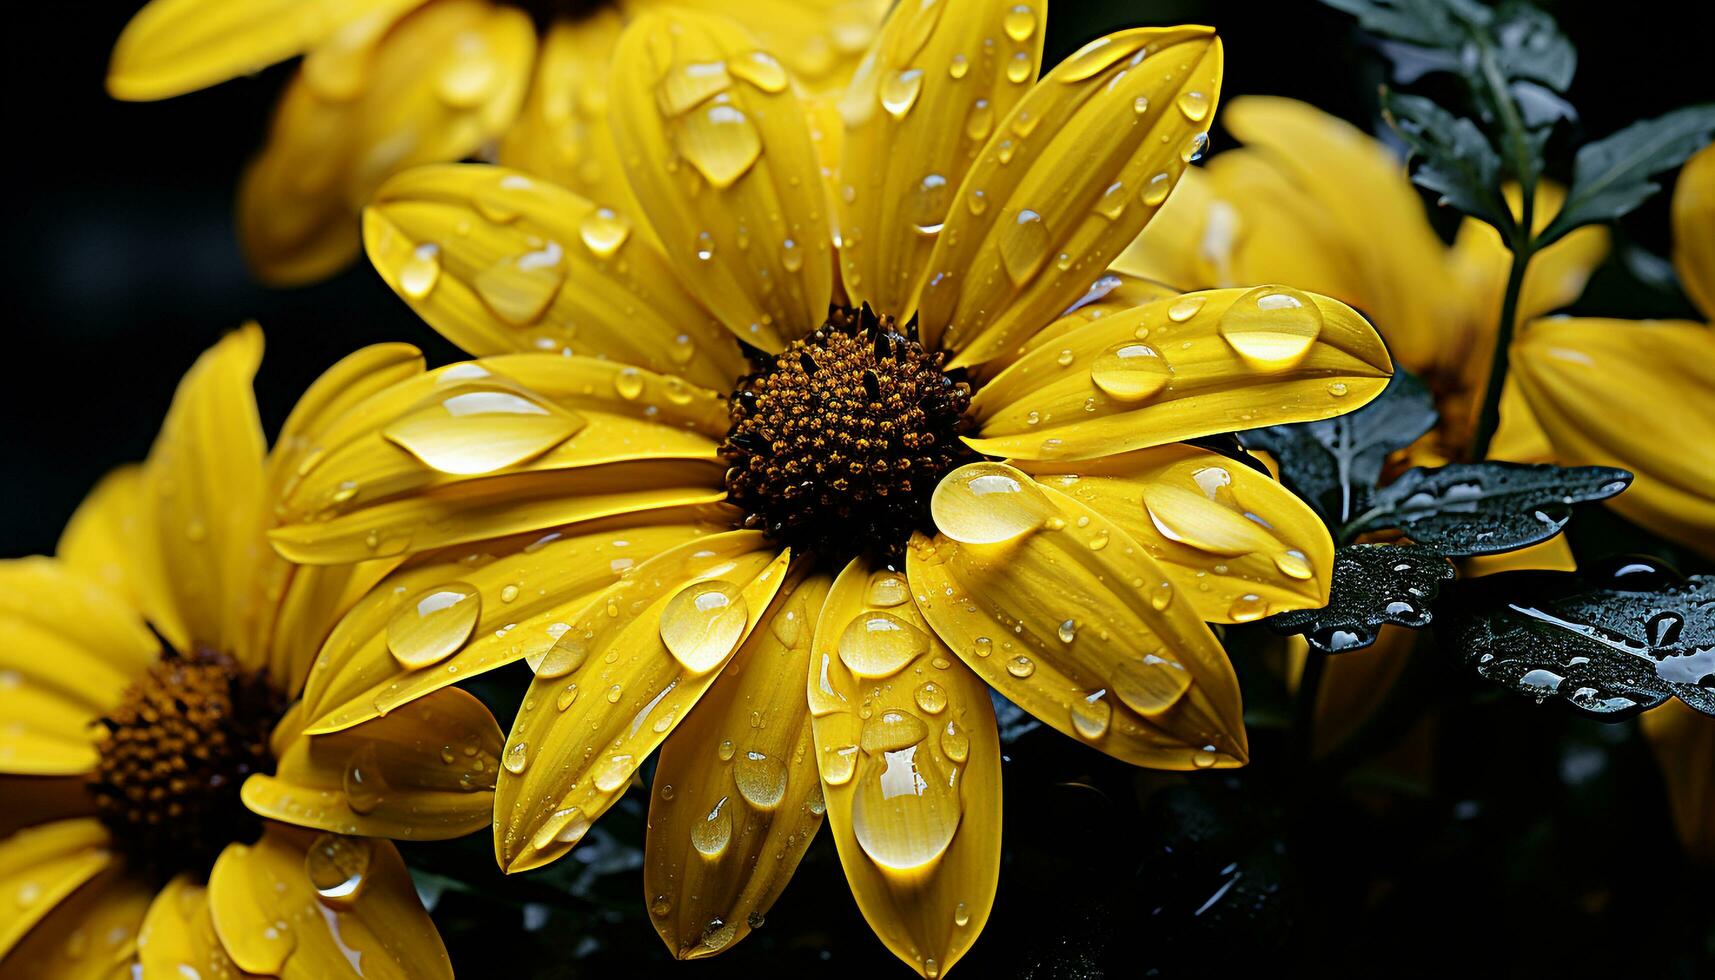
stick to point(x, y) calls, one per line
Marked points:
point(1684, 744)
point(641, 655)
point(1601, 387)
point(717, 148)
point(99, 540)
point(90, 935)
point(1519, 437)
point(202, 485)
point(561, 133)
point(1555, 554)
point(1360, 185)
point(909, 757)
point(424, 772)
point(1237, 545)
point(523, 591)
point(923, 104)
point(500, 262)
point(436, 87)
point(1069, 177)
point(40, 866)
point(301, 904)
point(821, 41)
point(736, 799)
point(177, 938)
point(1176, 369)
point(1170, 249)
point(1085, 639)
point(176, 46)
point(1694, 230)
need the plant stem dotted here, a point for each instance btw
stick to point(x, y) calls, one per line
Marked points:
point(1489, 417)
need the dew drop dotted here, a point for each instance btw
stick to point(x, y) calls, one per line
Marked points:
point(703, 623)
point(760, 69)
point(1248, 608)
point(1271, 328)
point(361, 782)
point(1021, 666)
point(1185, 308)
point(603, 232)
point(721, 142)
point(421, 272)
point(1068, 631)
point(887, 589)
point(1293, 564)
point(1020, 22)
point(1019, 68)
point(1150, 686)
point(761, 780)
point(337, 867)
point(1157, 189)
point(434, 625)
point(628, 383)
point(931, 697)
point(1024, 245)
point(520, 288)
point(1091, 716)
point(1195, 105)
point(566, 825)
point(516, 757)
point(838, 764)
point(904, 810)
point(1130, 372)
point(988, 503)
point(1113, 201)
point(899, 91)
point(880, 644)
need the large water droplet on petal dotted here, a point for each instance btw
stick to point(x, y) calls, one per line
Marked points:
point(690, 85)
point(362, 782)
point(1020, 22)
point(1191, 518)
point(905, 810)
point(1195, 105)
point(721, 142)
point(604, 232)
point(1271, 327)
point(337, 867)
point(519, 289)
point(1150, 687)
point(759, 69)
point(988, 503)
point(890, 730)
point(479, 430)
point(1090, 716)
point(419, 273)
point(1024, 245)
point(711, 834)
point(566, 825)
point(1130, 372)
point(761, 779)
point(432, 626)
point(880, 644)
point(702, 624)
point(899, 91)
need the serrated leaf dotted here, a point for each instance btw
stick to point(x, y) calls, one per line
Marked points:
point(1374, 585)
point(1609, 650)
point(1432, 23)
point(1467, 509)
point(1334, 464)
point(1454, 158)
point(1612, 176)
point(1529, 45)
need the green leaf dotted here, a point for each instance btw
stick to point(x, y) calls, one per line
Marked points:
point(1455, 159)
point(1609, 646)
point(1334, 464)
point(1529, 45)
point(1374, 585)
point(1612, 176)
point(1431, 23)
point(1466, 509)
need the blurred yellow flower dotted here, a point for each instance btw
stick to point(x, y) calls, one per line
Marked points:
point(390, 84)
point(165, 808)
point(954, 456)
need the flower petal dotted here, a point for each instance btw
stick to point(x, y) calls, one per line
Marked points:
point(821, 41)
point(1176, 369)
point(909, 757)
point(736, 799)
point(917, 113)
point(1086, 639)
point(301, 904)
point(1236, 544)
point(90, 935)
point(1069, 178)
point(499, 262)
point(434, 87)
point(1684, 744)
point(524, 589)
point(40, 866)
point(100, 539)
point(177, 938)
point(424, 772)
point(640, 656)
point(1694, 230)
point(717, 148)
point(176, 46)
point(561, 133)
point(1595, 385)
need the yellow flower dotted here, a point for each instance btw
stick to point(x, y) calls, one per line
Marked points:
point(164, 806)
point(389, 84)
point(950, 460)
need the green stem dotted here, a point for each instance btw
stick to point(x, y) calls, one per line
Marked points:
point(1489, 417)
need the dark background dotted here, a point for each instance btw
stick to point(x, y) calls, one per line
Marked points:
point(1523, 848)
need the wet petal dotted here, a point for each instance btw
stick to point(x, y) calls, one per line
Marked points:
point(736, 799)
point(1594, 385)
point(638, 658)
point(424, 772)
point(435, 87)
point(1069, 176)
point(99, 540)
point(1235, 544)
point(40, 866)
point(1684, 744)
point(1085, 639)
point(176, 46)
point(717, 148)
point(501, 262)
point(909, 757)
point(90, 935)
point(820, 41)
point(303, 904)
point(177, 936)
point(1694, 230)
point(524, 590)
point(918, 112)
point(1176, 369)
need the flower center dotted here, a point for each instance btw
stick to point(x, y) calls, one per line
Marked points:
point(837, 443)
point(177, 749)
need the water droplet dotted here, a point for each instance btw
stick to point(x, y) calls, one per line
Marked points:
point(1338, 389)
point(721, 142)
point(1161, 596)
point(887, 589)
point(1157, 189)
point(1185, 308)
point(1091, 716)
point(761, 780)
point(791, 256)
point(711, 835)
point(1130, 372)
point(469, 76)
point(1195, 105)
point(520, 288)
point(1020, 22)
point(961, 915)
point(899, 91)
point(1113, 201)
point(705, 246)
point(931, 697)
point(1293, 564)
point(703, 623)
point(613, 773)
point(568, 694)
point(603, 232)
point(362, 783)
point(1203, 758)
point(337, 867)
point(1140, 105)
point(1248, 608)
point(760, 69)
point(1019, 68)
point(880, 644)
point(419, 273)
point(958, 66)
point(1098, 55)
point(1021, 666)
point(718, 934)
point(628, 383)
point(988, 503)
point(1271, 327)
point(838, 764)
point(566, 825)
point(1150, 686)
point(1024, 245)
point(516, 757)
point(661, 906)
point(905, 810)
point(928, 204)
point(479, 429)
point(1068, 631)
point(980, 120)
point(1195, 147)
point(434, 625)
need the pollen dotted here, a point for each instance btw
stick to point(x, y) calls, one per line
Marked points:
point(178, 747)
point(837, 443)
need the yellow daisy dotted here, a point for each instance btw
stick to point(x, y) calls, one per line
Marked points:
point(390, 84)
point(165, 808)
point(946, 448)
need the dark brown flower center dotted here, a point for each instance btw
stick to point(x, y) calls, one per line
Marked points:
point(178, 747)
point(837, 443)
